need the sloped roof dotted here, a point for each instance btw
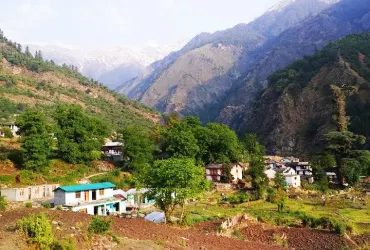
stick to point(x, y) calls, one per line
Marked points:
point(113, 144)
point(85, 187)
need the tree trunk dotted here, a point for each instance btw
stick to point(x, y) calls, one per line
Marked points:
point(167, 214)
point(338, 159)
point(182, 211)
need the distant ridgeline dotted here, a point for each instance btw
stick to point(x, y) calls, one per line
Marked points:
point(298, 106)
point(30, 81)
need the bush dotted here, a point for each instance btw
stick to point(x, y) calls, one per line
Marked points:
point(99, 225)
point(187, 220)
point(69, 244)
point(59, 207)
point(28, 204)
point(46, 205)
point(339, 228)
point(38, 229)
point(3, 203)
point(7, 132)
point(238, 234)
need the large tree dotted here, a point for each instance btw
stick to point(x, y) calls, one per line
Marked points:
point(171, 182)
point(35, 138)
point(80, 136)
point(138, 147)
point(341, 145)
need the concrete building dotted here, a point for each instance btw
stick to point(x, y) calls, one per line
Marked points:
point(94, 199)
point(29, 193)
point(215, 172)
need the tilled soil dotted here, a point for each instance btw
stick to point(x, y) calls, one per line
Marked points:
point(169, 236)
point(303, 238)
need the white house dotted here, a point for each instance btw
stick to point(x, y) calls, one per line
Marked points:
point(291, 177)
point(215, 172)
point(270, 173)
point(29, 193)
point(94, 199)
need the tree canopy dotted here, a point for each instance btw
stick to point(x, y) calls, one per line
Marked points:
point(80, 136)
point(171, 182)
point(36, 141)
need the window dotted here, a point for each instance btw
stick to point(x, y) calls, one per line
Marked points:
point(214, 172)
point(78, 195)
point(101, 191)
point(21, 193)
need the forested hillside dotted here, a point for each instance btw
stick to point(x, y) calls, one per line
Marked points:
point(27, 80)
point(299, 105)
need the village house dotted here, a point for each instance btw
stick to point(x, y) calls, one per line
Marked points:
point(304, 169)
point(29, 193)
point(12, 128)
point(138, 198)
point(215, 172)
point(291, 177)
point(113, 151)
point(94, 199)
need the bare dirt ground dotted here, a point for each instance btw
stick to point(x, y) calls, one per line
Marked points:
point(304, 238)
point(139, 234)
point(167, 237)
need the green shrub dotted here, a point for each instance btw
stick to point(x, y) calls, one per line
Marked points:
point(46, 205)
point(3, 203)
point(339, 228)
point(69, 244)
point(38, 228)
point(7, 132)
point(99, 225)
point(238, 234)
point(59, 207)
point(28, 204)
point(187, 220)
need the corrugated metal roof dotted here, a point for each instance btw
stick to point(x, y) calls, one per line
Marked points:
point(84, 187)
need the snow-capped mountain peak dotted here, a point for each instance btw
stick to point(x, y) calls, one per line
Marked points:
point(112, 65)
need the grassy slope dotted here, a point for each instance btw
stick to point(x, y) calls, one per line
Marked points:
point(44, 86)
point(339, 208)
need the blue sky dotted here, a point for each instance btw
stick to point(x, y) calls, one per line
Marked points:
point(104, 23)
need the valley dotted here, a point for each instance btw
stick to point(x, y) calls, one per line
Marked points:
point(251, 137)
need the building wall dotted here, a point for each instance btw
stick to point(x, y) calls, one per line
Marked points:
point(9, 193)
point(237, 172)
point(69, 198)
point(30, 193)
point(293, 181)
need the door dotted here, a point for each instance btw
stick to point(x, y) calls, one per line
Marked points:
point(96, 210)
point(93, 195)
point(29, 193)
point(87, 198)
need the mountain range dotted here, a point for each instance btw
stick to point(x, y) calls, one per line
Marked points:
point(111, 66)
point(228, 76)
point(197, 79)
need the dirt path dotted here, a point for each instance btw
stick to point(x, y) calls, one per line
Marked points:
point(86, 180)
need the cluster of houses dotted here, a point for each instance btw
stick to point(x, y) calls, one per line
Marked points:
point(291, 168)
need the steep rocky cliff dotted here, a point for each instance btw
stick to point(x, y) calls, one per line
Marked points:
point(345, 17)
point(298, 107)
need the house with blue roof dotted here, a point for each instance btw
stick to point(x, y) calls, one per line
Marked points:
point(94, 199)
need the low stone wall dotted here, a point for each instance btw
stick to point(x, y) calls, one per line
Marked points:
point(223, 186)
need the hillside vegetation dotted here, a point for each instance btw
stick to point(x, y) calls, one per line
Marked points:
point(299, 106)
point(30, 81)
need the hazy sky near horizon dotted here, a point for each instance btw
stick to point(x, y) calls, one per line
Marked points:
point(104, 23)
